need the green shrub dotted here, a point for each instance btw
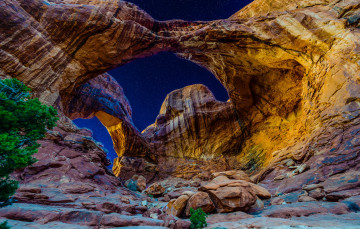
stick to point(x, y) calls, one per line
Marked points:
point(23, 121)
point(197, 218)
point(4, 225)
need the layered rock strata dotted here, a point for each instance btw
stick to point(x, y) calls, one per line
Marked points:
point(291, 70)
point(193, 124)
point(104, 98)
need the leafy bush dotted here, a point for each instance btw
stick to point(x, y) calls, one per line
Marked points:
point(197, 218)
point(4, 225)
point(23, 121)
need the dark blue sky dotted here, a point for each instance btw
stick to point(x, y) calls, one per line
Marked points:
point(146, 82)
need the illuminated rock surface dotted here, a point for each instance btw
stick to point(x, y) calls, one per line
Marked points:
point(291, 69)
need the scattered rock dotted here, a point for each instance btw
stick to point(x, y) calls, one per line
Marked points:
point(317, 193)
point(303, 198)
point(289, 162)
point(77, 188)
point(277, 201)
point(180, 224)
point(174, 194)
point(125, 199)
point(117, 220)
point(312, 186)
point(280, 177)
point(29, 189)
point(108, 207)
point(195, 184)
point(298, 169)
point(180, 185)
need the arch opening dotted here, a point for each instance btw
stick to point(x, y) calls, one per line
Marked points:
point(146, 83)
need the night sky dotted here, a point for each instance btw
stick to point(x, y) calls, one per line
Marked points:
point(146, 82)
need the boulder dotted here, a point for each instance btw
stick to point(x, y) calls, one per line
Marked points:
point(317, 193)
point(155, 189)
point(261, 192)
point(231, 196)
point(136, 183)
point(200, 200)
point(312, 187)
point(220, 179)
point(177, 207)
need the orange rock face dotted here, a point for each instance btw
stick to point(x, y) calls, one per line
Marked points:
point(193, 124)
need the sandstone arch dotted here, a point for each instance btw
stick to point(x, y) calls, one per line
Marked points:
point(56, 47)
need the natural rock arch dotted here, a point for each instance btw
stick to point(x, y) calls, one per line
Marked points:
point(56, 47)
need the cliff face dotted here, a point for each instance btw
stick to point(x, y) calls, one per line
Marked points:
point(291, 69)
point(290, 77)
point(193, 124)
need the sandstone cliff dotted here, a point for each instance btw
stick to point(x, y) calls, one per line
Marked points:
point(193, 124)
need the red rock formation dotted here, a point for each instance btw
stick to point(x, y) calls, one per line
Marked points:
point(104, 98)
point(69, 161)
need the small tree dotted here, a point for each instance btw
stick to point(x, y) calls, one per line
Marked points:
point(23, 121)
point(4, 225)
point(197, 218)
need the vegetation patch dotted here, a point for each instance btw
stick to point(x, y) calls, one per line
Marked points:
point(198, 218)
point(23, 121)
